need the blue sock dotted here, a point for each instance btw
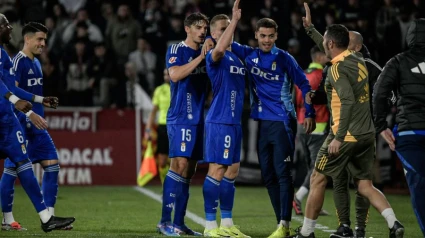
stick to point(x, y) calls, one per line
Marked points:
point(171, 183)
point(50, 184)
point(182, 198)
point(29, 183)
point(227, 196)
point(7, 189)
point(211, 191)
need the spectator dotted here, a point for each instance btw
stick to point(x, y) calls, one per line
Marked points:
point(121, 34)
point(94, 33)
point(101, 71)
point(145, 62)
point(176, 31)
point(54, 39)
point(79, 88)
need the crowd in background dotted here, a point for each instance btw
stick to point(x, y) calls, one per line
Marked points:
point(97, 50)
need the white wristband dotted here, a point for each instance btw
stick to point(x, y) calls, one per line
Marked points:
point(13, 99)
point(38, 99)
point(28, 113)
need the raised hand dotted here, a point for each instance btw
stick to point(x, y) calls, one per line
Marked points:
point(51, 102)
point(236, 12)
point(307, 18)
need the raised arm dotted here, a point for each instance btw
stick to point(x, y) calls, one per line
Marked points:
point(226, 39)
point(310, 30)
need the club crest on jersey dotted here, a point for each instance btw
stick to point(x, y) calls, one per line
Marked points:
point(274, 66)
point(183, 147)
point(24, 150)
point(226, 153)
point(172, 60)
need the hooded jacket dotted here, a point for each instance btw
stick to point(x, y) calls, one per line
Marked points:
point(405, 74)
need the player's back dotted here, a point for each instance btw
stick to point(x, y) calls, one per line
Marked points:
point(188, 94)
point(228, 85)
point(351, 66)
point(6, 111)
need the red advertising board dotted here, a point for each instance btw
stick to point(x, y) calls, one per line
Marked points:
point(95, 147)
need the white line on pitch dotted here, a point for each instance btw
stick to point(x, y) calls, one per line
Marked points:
point(157, 197)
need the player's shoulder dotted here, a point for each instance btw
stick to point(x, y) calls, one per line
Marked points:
point(177, 47)
point(19, 60)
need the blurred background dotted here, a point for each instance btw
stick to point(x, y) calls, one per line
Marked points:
point(104, 58)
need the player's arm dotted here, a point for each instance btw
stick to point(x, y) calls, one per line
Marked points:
point(382, 91)
point(343, 88)
point(226, 38)
point(310, 30)
point(241, 51)
point(298, 77)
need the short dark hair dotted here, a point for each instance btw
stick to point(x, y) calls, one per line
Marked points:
point(33, 27)
point(266, 23)
point(314, 51)
point(218, 17)
point(339, 35)
point(194, 18)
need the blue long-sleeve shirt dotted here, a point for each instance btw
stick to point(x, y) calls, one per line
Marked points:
point(271, 76)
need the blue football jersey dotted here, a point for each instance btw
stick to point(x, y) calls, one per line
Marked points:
point(29, 76)
point(6, 111)
point(271, 77)
point(188, 94)
point(228, 86)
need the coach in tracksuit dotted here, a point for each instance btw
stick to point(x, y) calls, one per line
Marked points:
point(405, 73)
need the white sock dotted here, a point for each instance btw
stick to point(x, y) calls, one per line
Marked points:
point(51, 210)
point(301, 193)
point(226, 222)
point(308, 226)
point(44, 215)
point(209, 225)
point(389, 216)
point(8, 218)
point(284, 223)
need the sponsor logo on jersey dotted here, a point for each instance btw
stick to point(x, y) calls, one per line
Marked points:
point(35, 81)
point(265, 75)
point(237, 70)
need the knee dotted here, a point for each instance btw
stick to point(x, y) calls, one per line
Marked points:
point(179, 165)
point(340, 184)
point(47, 163)
point(364, 186)
point(318, 180)
point(216, 171)
point(232, 171)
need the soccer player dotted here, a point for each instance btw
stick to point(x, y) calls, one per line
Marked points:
point(13, 144)
point(405, 73)
point(161, 103)
point(351, 141)
point(185, 122)
point(223, 132)
point(28, 76)
point(271, 73)
point(310, 144)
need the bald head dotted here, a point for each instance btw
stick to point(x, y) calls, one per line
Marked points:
point(356, 41)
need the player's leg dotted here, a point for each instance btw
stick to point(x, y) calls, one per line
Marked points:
point(186, 149)
point(341, 195)
point(7, 190)
point(303, 190)
point(162, 151)
point(325, 166)
point(362, 214)
point(15, 148)
point(43, 151)
point(410, 150)
point(233, 143)
point(268, 174)
point(360, 167)
point(282, 140)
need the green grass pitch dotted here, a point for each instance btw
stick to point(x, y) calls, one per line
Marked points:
point(126, 212)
